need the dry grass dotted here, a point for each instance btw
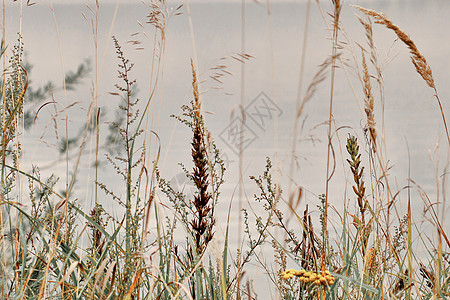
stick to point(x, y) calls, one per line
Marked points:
point(418, 60)
point(360, 251)
point(369, 104)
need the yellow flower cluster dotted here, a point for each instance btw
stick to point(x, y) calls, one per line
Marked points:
point(321, 278)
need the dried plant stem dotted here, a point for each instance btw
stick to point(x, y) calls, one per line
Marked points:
point(241, 150)
point(442, 114)
point(337, 11)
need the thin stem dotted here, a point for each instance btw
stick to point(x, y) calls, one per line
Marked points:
point(337, 8)
point(442, 114)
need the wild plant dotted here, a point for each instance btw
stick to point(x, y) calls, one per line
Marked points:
point(364, 251)
point(130, 168)
point(197, 215)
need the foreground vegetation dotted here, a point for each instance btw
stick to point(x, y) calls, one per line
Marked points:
point(52, 248)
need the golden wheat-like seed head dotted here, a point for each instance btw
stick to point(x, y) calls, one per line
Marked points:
point(417, 58)
point(195, 89)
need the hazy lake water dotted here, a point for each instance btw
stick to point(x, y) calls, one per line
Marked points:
point(274, 41)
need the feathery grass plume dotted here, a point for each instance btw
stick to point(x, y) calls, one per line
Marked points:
point(367, 24)
point(318, 78)
point(418, 60)
point(368, 101)
point(369, 35)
